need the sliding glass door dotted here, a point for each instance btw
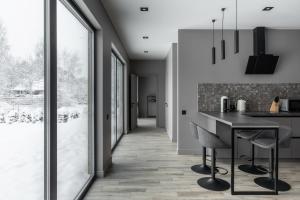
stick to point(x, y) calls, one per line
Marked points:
point(22, 99)
point(74, 102)
point(46, 100)
point(117, 99)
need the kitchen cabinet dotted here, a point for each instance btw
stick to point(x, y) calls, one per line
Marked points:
point(293, 149)
point(295, 122)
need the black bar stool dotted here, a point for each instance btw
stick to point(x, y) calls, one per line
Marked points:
point(201, 168)
point(211, 140)
point(266, 140)
point(250, 168)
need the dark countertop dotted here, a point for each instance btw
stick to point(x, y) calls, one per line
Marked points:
point(269, 114)
point(236, 120)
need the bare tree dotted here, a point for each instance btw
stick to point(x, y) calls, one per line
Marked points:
point(4, 48)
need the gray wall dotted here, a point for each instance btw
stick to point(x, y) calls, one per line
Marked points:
point(147, 87)
point(171, 93)
point(106, 40)
point(194, 66)
point(153, 68)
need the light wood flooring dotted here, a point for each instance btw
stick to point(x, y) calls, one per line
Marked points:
point(147, 167)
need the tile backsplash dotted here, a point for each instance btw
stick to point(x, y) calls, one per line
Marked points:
point(259, 96)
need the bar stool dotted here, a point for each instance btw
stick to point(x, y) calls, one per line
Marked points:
point(211, 140)
point(201, 168)
point(266, 140)
point(250, 168)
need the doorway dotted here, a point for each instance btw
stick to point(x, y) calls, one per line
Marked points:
point(143, 101)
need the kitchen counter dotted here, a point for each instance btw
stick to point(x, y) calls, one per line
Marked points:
point(269, 114)
point(233, 121)
point(237, 120)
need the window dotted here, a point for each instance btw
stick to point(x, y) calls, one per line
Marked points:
point(117, 99)
point(24, 101)
point(21, 99)
point(74, 102)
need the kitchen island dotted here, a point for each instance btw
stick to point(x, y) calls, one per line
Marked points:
point(237, 121)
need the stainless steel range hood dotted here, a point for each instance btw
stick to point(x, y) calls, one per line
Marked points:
point(260, 63)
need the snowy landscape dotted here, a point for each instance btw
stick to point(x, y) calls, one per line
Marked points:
point(22, 104)
point(22, 157)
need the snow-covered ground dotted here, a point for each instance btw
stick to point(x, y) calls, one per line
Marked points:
point(22, 159)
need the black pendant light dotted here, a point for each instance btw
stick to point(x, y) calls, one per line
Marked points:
point(213, 48)
point(223, 41)
point(236, 32)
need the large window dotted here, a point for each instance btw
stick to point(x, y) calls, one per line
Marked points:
point(117, 99)
point(31, 153)
point(74, 103)
point(21, 100)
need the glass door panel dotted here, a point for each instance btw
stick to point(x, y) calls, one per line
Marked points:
point(117, 99)
point(73, 103)
point(120, 99)
point(113, 100)
point(22, 99)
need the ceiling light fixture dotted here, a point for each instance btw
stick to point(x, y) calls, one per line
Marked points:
point(213, 48)
point(223, 41)
point(236, 32)
point(268, 8)
point(144, 9)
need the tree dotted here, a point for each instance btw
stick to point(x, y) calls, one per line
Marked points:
point(72, 86)
point(4, 48)
point(4, 59)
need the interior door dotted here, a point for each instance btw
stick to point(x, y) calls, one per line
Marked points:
point(133, 101)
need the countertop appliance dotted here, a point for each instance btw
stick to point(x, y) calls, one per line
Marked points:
point(241, 105)
point(260, 62)
point(290, 105)
point(225, 104)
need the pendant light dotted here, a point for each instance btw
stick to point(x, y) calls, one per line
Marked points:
point(223, 41)
point(236, 32)
point(213, 48)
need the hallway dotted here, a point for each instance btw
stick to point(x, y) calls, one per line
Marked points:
point(146, 166)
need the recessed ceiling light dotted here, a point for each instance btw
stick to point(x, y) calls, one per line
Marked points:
point(145, 37)
point(144, 9)
point(268, 8)
point(146, 51)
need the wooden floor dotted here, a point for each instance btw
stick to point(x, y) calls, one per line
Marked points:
point(146, 167)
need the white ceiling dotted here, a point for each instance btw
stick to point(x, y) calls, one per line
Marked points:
point(165, 17)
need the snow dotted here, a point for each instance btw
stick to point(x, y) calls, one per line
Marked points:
point(22, 158)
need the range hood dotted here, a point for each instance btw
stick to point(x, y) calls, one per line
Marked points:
point(260, 62)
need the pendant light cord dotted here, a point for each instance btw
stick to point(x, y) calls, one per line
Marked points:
point(223, 9)
point(236, 13)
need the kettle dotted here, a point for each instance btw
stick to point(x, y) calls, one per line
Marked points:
point(241, 105)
